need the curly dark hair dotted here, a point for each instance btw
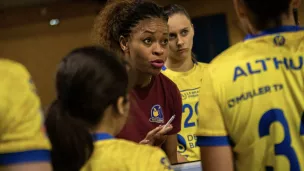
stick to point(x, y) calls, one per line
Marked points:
point(118, 18)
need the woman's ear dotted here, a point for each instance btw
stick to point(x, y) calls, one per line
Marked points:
point(124, 45)
point(193, 28)
point(123, 106)
point(240, 9)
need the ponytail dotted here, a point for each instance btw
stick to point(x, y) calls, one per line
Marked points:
point(72, 143)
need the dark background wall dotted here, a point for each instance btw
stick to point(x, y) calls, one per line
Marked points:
point(27, 37)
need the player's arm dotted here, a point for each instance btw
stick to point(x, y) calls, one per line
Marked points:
point(170, 148)
point(212, 137)
point(217, 158)
point(23, 144)
point(181, 158)
point(40, 166)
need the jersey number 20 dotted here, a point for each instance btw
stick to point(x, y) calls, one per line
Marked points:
point(284, 148)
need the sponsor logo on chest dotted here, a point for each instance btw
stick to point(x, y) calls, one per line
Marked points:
point(156, 114)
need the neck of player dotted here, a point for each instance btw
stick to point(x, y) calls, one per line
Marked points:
point(287, 20)
point(109, 123)
point(181, 65)
point(143, 79)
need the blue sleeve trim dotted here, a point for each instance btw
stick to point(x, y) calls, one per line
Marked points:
point(25, 157)
point(213, 141)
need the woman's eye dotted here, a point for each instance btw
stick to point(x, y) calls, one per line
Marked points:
point(172, 36)
point(148, 41)
point(164, 42)
point(184, 32)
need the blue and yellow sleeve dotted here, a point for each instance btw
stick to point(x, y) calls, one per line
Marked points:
point(22, 136)
point(211, 129)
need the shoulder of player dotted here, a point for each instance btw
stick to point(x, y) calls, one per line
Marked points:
point(139, 149)
point(166, 81)
point(11, 69)
point(202, 66)
point(149, 156)
point(229, 54)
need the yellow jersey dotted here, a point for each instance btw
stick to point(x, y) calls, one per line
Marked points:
point(189, 85)
point(22, 137)
point(112, 154)
point(252, 99)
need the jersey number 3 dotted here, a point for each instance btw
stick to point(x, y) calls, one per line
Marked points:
point(284, 148)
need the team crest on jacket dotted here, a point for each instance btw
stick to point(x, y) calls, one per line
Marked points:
point(156, 114)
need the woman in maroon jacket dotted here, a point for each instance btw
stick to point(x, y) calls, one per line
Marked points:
point(138, 31)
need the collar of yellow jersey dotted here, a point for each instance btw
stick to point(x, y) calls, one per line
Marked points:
point(277, 30)
point(164, 67)
point(102, 136)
